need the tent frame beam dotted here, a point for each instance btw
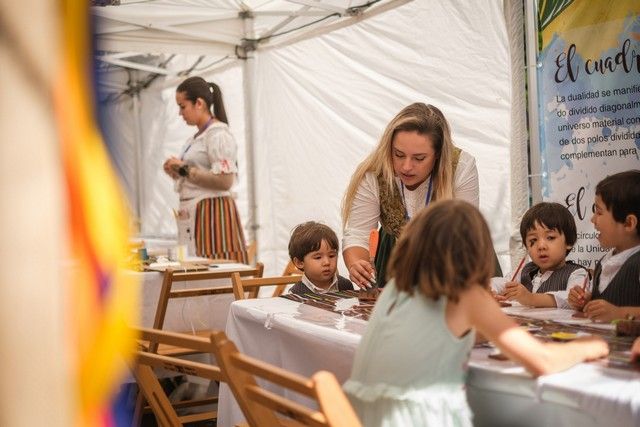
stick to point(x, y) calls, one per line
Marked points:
point(322, 6)
point(286, 13)
point(133, 65)
point(531, 33)
point(358, 16)
point(248, 82)
point(285, 21)
point(133, 25)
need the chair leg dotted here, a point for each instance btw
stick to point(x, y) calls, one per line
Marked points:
point(136, 420)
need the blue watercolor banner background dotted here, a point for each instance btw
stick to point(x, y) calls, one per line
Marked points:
point(589, 109)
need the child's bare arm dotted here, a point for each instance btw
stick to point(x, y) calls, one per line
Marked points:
point(542, 300)
point(538, 358)
point(517, 291)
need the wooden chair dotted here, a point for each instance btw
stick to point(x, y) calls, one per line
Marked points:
point(167, 293)
point(252, 286)
point(289, 270)
point(252, 252)
point(150, 387)
point(261, 407)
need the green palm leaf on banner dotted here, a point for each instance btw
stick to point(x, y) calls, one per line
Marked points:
point(548, 10)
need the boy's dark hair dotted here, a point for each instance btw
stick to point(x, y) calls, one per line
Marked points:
point(308, 236)
point(621, 195)
point(552, 215)
point(444, 250)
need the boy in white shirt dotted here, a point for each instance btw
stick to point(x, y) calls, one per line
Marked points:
point(616, 282)
point(548, 232)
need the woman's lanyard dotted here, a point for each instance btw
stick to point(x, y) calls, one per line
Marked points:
point(426, 200)
point(200, 132)
point(186, 150)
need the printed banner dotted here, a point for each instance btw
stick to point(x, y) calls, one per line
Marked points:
point(589, 104)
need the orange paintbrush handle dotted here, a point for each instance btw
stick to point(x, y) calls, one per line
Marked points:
point(373, 243)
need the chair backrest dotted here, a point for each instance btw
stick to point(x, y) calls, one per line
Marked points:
point(262, 407)
point(252, 252)
point(173, 276)
point(149, 384)
point(252, 286)
point(290, 269)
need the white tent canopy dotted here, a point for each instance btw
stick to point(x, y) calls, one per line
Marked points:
point(308, 104)
point(227, 29)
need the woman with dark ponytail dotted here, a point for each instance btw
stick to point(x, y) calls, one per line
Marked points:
point(208, 221)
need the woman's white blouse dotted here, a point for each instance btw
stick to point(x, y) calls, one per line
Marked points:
point(365, 209)
point(214, 150)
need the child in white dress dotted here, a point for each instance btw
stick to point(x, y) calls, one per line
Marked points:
point(411, 363)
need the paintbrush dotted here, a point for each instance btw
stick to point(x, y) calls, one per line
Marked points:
point(584, 284)
point(517, 272)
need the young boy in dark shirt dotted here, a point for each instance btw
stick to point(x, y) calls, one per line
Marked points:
point(313, 248)
point(548, 233)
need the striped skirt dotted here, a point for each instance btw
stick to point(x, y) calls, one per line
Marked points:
point(218, 231)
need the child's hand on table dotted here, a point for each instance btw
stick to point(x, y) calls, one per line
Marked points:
point(602, 311)
point(517, 291)
point(578, 297)
point(498, 297)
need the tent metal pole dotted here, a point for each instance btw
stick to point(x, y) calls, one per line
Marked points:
point(139, 165)
point(248, 82)
point(514, 19)
point(531, 28)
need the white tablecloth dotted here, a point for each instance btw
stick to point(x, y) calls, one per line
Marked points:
point(306, 339)
point(186, 314)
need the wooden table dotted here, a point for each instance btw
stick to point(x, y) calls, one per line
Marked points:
point(305, 339)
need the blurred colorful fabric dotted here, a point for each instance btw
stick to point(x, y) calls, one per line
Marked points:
point(102, 300)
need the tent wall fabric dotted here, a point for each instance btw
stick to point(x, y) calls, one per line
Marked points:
point(324, 103)
point(321, 104)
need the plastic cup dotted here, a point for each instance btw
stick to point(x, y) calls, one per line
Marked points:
point(182, 252)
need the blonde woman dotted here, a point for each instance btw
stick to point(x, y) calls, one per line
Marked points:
point(414, 163)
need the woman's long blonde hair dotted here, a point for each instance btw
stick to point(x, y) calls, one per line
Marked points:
point(428, 121)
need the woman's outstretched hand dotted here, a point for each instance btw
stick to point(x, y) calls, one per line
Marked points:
point(362, 273)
